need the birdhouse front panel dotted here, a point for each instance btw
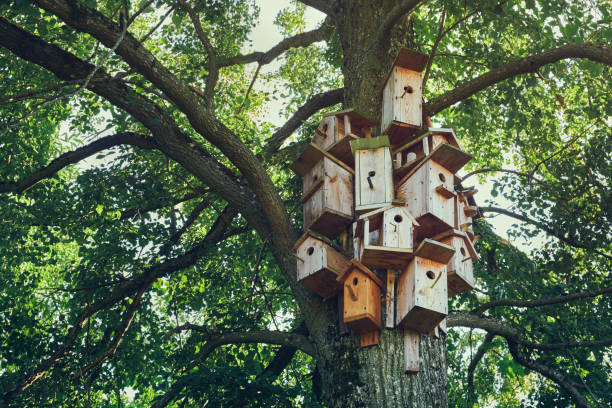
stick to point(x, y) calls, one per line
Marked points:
point(373, 176)
point(397, 229)
point(443, 135)
point(361, 298)
point(318, 265)
point(422, 295)
point(329, 131)
point(429, 196)
point(460, 268)
point(402, 111)
point(328, 198)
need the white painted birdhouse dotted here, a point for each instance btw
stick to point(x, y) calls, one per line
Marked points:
point(337, 129)
point(361, 298)
point(373, 173)
point(421, 298)
point(327, 202)
point(460, 267)
point(428, 191)
point(402, 94)
point(318, 265)
point(386, 237)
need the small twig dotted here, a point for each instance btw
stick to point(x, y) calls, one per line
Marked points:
point(246, 96)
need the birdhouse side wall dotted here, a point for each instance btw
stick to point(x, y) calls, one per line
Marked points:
point(333, 128)
point(460, 267)
point(379, 162)
point(437, 204)
point(431, 293)
point(414, 192)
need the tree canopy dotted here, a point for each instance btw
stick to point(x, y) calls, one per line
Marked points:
point(147, 209)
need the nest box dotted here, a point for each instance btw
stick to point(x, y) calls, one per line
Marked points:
point(318, 265)
point(428, 191)
point(460, 268)
point(361, 298)
point(373, 173)
point(421, 299)
point(337, 129)
point(385, 237)
point(402, 94)
point(465, 212)
point(327, 202)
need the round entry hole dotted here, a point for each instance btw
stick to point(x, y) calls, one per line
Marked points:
point(442, 178)
point(310, 251)
point(408, 89)
point(355, 281)
point(430, 274)
point(398, 218)
point(462, 251)
point(372, 173)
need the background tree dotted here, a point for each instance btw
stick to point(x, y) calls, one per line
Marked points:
point(161, 273)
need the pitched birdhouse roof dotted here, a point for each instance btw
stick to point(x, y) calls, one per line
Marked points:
point(449, 133)
point(375, 217)
point(312, 234)
point(355, 118)
point(468, 242)
point(410, 59)
point(355, 265)
point(370, 143)
point(435, 251)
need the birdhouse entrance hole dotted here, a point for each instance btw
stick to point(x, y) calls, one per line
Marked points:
point(430, 275)
point(355, 281)
point(310, 251)
point(462, 251)
point(442, 178)
point(398, 218)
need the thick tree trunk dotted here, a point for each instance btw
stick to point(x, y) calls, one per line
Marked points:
point(373, 376)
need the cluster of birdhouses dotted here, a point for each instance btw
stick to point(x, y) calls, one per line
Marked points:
point(397, 194)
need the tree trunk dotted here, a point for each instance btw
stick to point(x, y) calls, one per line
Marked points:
point(374, 376)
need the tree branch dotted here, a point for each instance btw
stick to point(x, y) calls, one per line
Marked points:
point(66, 159)
point(432, 54)
point(465, 319)
point(482, 349)
point(593, 52)
point(568, 240)
point(393, 16)
point(213, 71)
point(539, 302)
point(324, 6)
point(283, 357)
point(314, 104)
point(299, 40)
point(549, 373)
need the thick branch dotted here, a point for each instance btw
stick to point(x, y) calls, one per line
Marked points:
point(282, 357)
point(75, 156)
point(393, 16)
point(299, 40)
point(324, 6)
point(593, 52)
point(540, 302)
point(314, 104)
point(465, 319)
point(549, 373)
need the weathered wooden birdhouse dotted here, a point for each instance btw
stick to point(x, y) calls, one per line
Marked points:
point(421, 298)
point(428, 191)
point(386, 237)
point(402, 111)
point(443, 135)
point(460, 267)
point(373, 173)
point(318, 264)
point(464, 212)
point(361, 298)
point(337, 129)
point(328, 191)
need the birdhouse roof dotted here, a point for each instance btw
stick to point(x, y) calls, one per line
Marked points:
point(370, 143)
point(410, 59)
point(354, 265)
point(318, 237)
point(468, 242)
point(356, 119)
point(448, 132)
point(435, 251)
point(382, 210)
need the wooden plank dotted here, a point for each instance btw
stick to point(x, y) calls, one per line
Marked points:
point(342, 150)
point(411, 351)
point(390, 300)
point(310, 156)
point(470, 210)
point(444, 191)
point(435, 251)
point(401, 171)
point(450, 157)
point(411, 142)
point(369, 339)
point(313, 189)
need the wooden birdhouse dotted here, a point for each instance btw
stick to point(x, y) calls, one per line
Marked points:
point(464, 212)
point(337, 129)
point(318, 265)
point(328, 191)
point(421, 298)
point(428, 191)
point(386, 237)
point(373, 173)
point(402, 95)
point(460, 268)
point(441, 144)
point(361, 295)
